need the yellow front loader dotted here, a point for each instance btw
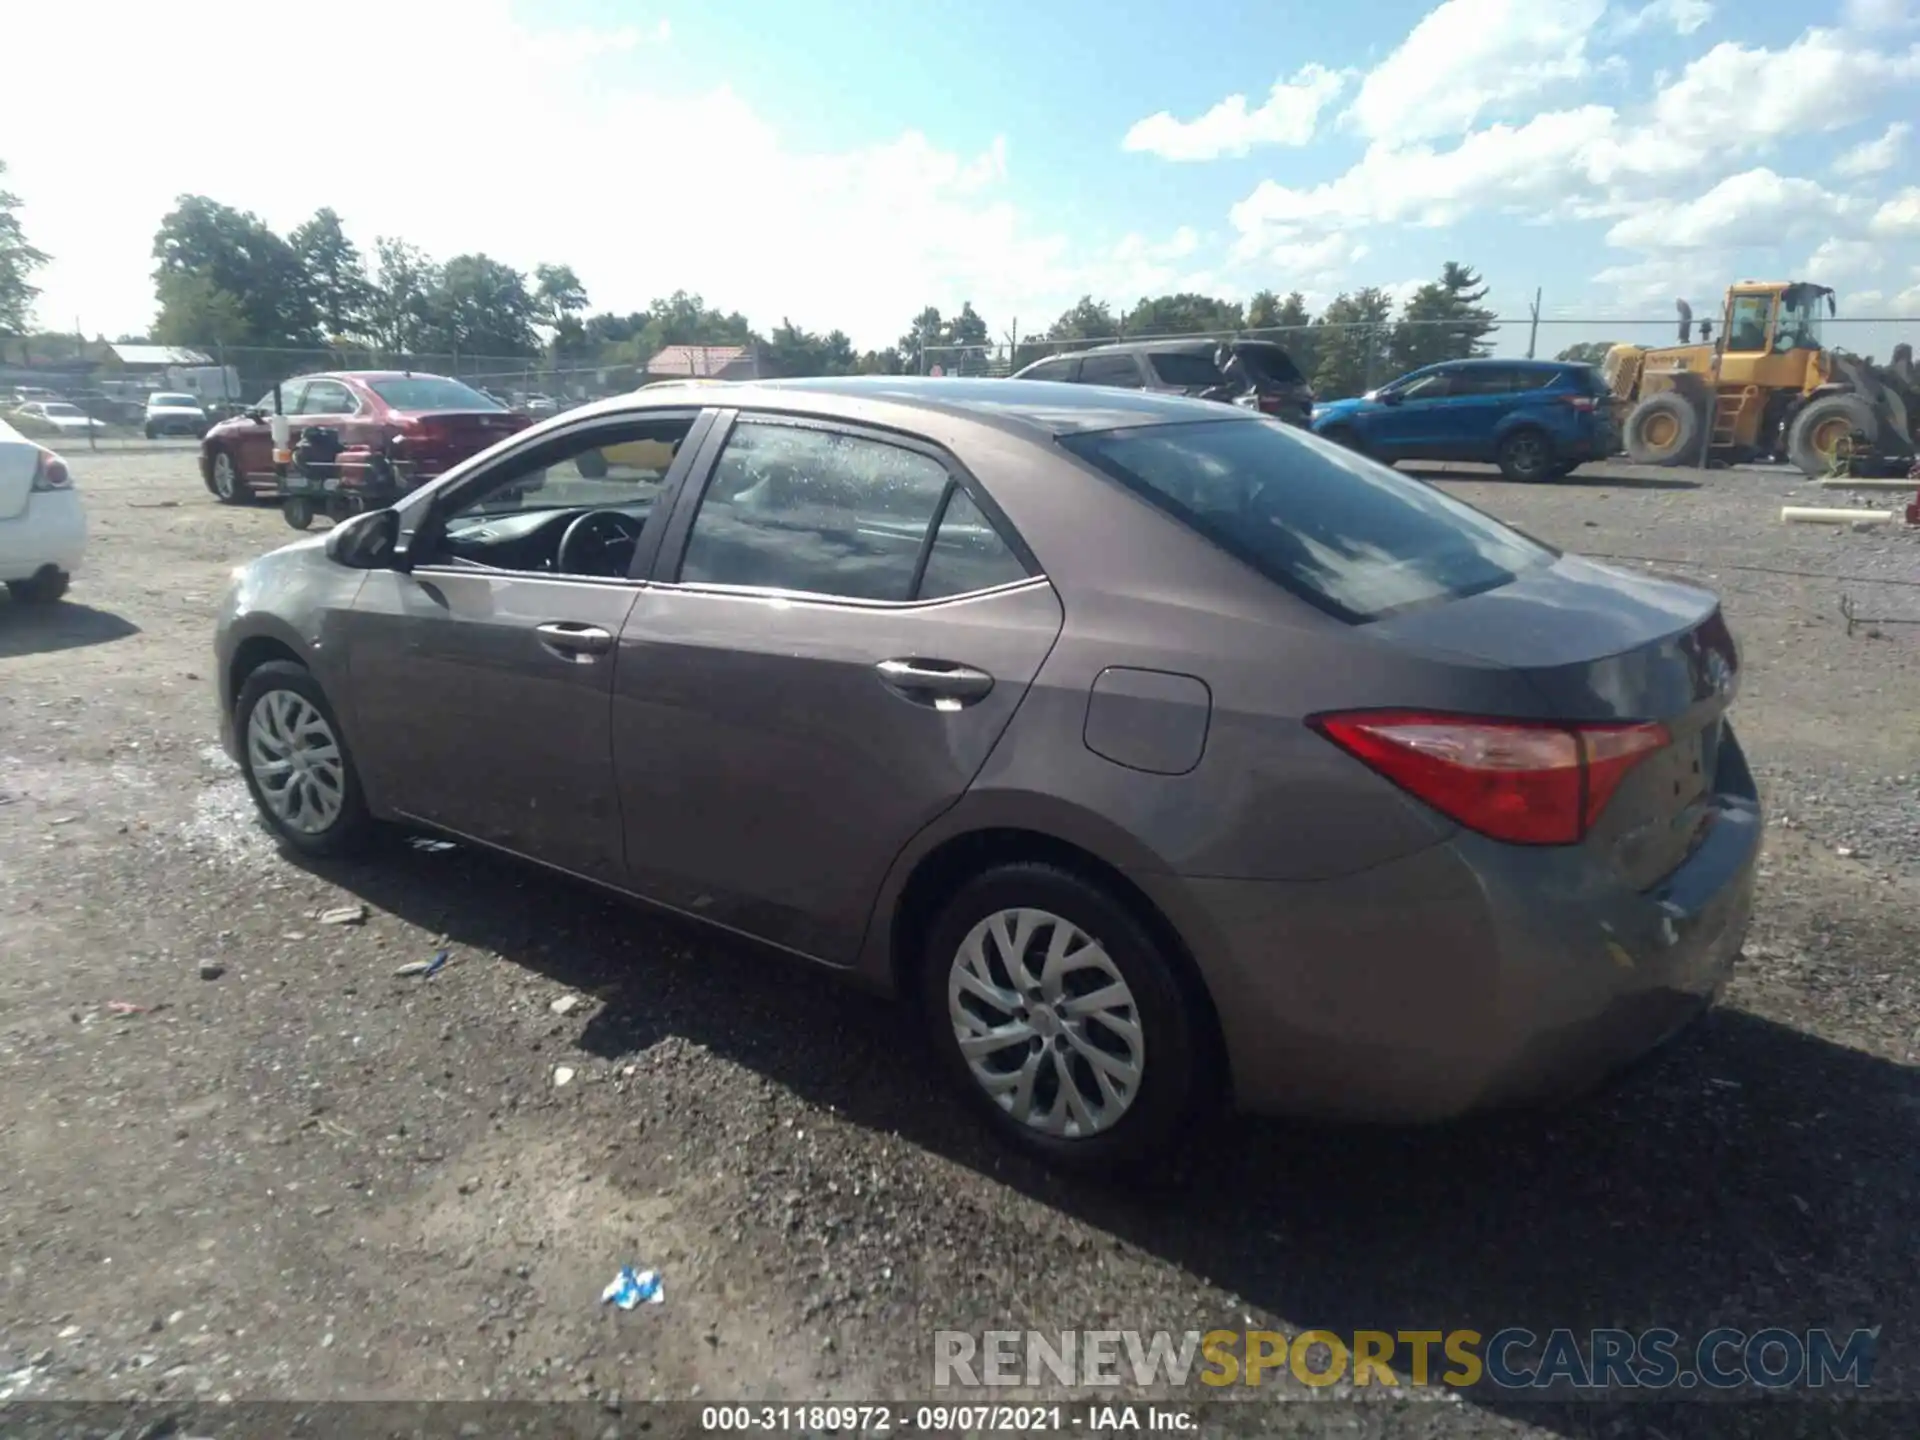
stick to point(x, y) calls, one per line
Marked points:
point(1763, 387)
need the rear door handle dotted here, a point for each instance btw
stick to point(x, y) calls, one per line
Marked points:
point(942, 684)
point(581, 644)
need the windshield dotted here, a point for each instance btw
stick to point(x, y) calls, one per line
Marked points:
point(430, 392)
point(175, 402)
point(1347, 535)
point(63, 411)
point(1175, 367)
point(1799, 325)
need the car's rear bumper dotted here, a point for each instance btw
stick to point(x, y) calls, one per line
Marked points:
point(52, 530)
point(1469, 975)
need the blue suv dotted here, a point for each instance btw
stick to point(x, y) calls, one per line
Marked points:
point(1535, 419)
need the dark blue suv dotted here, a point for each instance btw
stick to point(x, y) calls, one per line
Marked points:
point(1535, 419)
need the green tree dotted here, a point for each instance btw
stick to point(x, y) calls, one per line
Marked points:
point(1088, 319)
point(481, 307)
point(1587, 352)
point(927, 329)
point(195, 311)
point(558, 299)
point(1444, 320)
point(1287, 323)
point(404, 281)
point(1351, 343)
point(18, 261)
point(792, 351)
point(336, 276)
point(881, 362)
point(235, 253)
point(1183, 314)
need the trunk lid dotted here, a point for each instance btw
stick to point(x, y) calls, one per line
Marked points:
point(437, 439)
point(1600, 644)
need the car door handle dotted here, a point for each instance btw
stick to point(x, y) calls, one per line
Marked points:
point(578, 643)
point(940, 683)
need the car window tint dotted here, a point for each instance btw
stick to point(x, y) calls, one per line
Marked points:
point(1120, 370)
point(1348, 535)
point(815, 511)
point(1484, 380)
point(968, 553)
point(1179, 367)
point(291, 394)
point(1429, 387)
point(613, 467)
point(1050, 370)
point(326, 397)
point(431, 392)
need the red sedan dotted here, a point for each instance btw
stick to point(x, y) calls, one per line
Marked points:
point(390, 431)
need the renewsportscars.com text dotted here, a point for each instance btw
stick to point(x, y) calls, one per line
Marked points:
point(1725, 1358)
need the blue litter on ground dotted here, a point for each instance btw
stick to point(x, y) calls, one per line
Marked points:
point(634, 1287)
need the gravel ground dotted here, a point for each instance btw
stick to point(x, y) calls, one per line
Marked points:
point(309, 1178)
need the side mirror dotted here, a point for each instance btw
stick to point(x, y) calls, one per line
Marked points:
point(367, 541)
point(1389, 397)
point(257, 415)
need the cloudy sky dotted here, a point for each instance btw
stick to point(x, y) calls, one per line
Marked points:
point(844, 165)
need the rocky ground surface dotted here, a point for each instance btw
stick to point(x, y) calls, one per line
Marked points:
point(241, 1159)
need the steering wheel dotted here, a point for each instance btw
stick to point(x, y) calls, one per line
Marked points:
point(589, 544)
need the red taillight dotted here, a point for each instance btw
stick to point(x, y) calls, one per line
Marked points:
point(1527, 782)
point(1269, 404)
point(51, 473)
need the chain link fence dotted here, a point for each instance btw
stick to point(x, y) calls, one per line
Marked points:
point(1352, 357)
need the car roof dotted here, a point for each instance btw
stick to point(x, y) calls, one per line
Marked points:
point(367, 375)
point(1042, 408)
point(1184, 345)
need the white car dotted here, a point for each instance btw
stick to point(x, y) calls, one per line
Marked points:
point(67, 418)
point(174, 413)
point(43, 528)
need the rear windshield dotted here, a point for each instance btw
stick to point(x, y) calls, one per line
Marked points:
point(1270, 365)
point(1175, 367)
point(1352, 537)
point(431, 392)
point(174, 401)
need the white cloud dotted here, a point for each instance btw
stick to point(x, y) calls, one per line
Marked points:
point(1289, 116)
point(1871, 157)
point(483, 150)
point(1838, 259)
point(1683, 17)
point(1467, 59)
point(1739, 210)
point(1899, 218)
point(1743, 97)
point(1881, 14)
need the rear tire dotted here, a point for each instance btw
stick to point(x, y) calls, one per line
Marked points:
point(44, 587)
point(1526, 455)
point(591, 464)
point(297, 763)
point(297, 511)
point(1663, 429)
point(152, 434)
point(1147, 1027)
point(1821, 424)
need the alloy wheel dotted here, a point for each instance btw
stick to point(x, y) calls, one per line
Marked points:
point(296, 761)
point(1046, 1023)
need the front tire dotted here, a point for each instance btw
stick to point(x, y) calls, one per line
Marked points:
point(297, 763)
point(223, 478)
point(1056, 1011)
point(298, 511)
point(1526, 456)
point(1663, 429)
point(45, 587)
point(152, 434)
point(1823, 423)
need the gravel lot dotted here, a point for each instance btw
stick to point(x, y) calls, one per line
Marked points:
point(309, 1178)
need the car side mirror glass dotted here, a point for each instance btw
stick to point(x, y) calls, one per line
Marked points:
point(367, 541)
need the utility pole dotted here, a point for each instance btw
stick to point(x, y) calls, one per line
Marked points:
point(1533, 331)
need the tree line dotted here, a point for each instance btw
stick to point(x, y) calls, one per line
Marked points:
point(223, 277)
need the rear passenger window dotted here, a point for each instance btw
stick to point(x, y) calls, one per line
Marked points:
point(814, 511)
point(1050, 370)
point(968, 553)
point(1122, 370)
